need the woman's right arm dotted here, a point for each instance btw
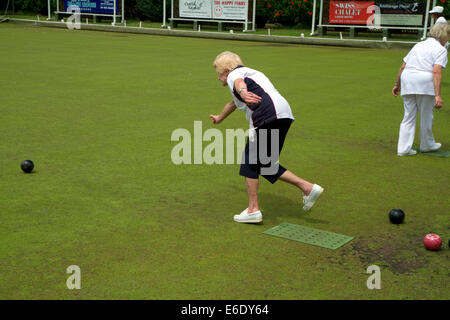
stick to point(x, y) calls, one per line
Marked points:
point(227, 110)
point(396, 89)
point(437, 79)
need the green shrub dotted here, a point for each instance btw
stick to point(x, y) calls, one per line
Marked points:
point(33, 6)
point(150, 9)
point(131, 10)
point(286, 12)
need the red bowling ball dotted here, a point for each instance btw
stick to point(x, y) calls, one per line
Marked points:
point(432, 242)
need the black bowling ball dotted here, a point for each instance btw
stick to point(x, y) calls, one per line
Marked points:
point(27, 166)
point(396, 216)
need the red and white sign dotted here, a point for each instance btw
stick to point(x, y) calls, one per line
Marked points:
point(350, 12)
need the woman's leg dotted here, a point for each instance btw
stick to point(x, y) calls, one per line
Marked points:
point(408, 125)
point(426, 105)
point(252, 190)
point(251, 172)
point(310, 191)
point(291, 178)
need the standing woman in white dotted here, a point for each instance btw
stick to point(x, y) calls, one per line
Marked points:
point(438, 14)
point(419, 83)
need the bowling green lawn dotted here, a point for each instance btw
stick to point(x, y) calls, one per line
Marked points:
point(95, 111)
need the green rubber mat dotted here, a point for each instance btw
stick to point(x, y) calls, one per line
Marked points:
point(325, 239)
point(439, 153)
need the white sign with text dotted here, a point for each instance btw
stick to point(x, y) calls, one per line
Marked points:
point(214, 9)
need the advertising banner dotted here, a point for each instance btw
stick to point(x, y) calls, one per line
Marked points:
point(93, 6)
point(380, 13)
point(401, 13)
point(195, 8)
point(230, 9)
point(350, 12)
point(214, 9)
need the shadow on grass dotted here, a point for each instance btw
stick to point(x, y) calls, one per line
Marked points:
point(277, 207)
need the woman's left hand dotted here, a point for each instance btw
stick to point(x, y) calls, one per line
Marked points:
point(250, 98)
point(395, 90)
point(438, 102)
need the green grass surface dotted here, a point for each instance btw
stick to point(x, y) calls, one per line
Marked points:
point(95, 112)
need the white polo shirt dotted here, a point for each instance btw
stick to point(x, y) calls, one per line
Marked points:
point(272, 106)
point(417, 77)
point(441, 20)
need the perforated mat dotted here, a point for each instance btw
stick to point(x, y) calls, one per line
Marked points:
point(325, 239)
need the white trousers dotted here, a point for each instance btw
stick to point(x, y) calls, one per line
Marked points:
point(424, 104)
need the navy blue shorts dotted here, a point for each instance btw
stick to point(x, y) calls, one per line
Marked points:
point(259, 158)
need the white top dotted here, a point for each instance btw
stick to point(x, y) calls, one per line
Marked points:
point(272, 106)
point(441, 20)
point(417, 77)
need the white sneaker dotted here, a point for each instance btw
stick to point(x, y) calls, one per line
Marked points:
point(410, 153)
point(435, 147)
point(246, 217)
point(311, 199)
